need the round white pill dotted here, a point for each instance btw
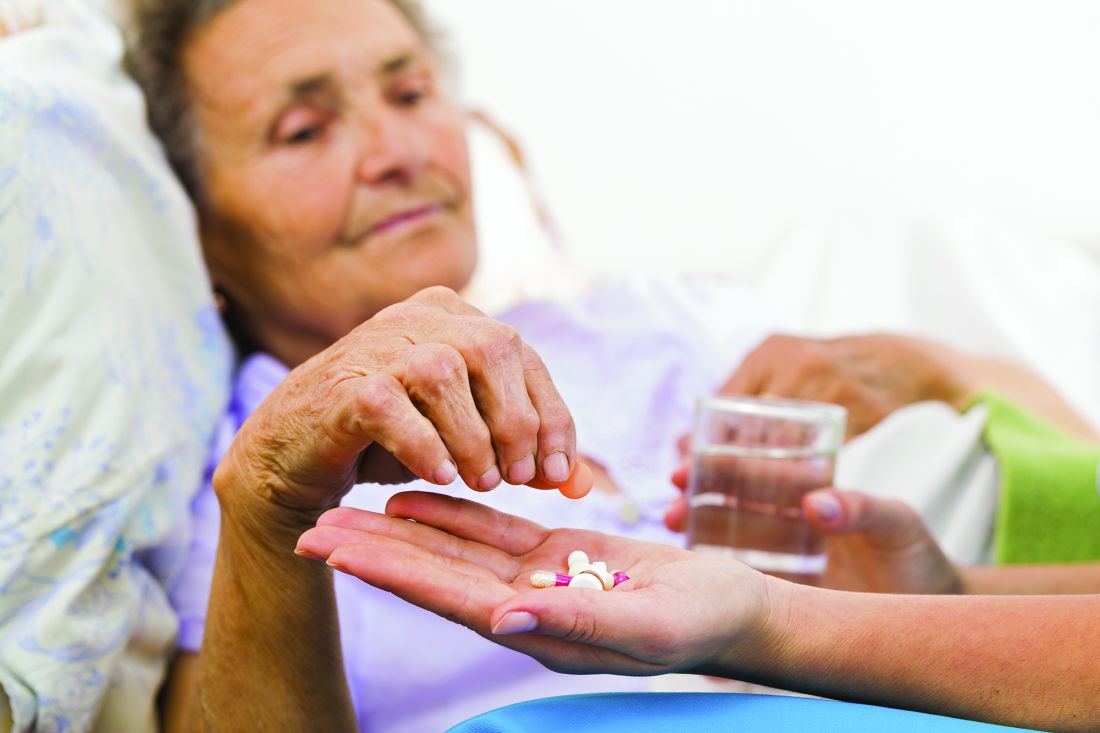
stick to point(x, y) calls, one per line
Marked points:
point(607, 580)
point(586, 580)
point(577, 557)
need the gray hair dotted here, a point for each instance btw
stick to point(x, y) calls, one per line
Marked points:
point(157, 33)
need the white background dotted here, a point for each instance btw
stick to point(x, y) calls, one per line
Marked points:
point(928, 167)
point(690, 135)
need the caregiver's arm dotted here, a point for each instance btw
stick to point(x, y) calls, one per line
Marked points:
point(1025, 661)
point(430, 388)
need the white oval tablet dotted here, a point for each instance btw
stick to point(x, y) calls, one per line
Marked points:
point(580, 568)
point(607, 580)
point(586, 580)
point(577, 557)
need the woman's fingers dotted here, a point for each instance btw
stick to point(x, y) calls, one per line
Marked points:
point(557, 435)
point(577, 486)
point(494, 352)
point(481, 387)
point(438, 383)
point(532, 429)
point(376, 409)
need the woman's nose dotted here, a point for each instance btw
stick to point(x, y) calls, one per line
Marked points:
point(394, 149)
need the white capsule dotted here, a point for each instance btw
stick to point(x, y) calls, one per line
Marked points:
point(586, 580)
point(543, 579)
point(577, 557)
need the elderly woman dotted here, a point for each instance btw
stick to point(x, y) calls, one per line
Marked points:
point(331, 179)
point(330, 174)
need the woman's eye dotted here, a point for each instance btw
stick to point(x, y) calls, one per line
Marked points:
point(299, 126)
point(305, 135)
point(412, 94)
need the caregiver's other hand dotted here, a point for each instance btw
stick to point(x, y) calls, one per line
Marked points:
point(873, 545)
point(471, 564)
point(878, 545)
point(871, 375)
point(428, 388)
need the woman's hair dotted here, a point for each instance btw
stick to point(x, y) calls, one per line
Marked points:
point(157, 32)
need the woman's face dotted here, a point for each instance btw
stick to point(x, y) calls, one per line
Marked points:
point(335, 170)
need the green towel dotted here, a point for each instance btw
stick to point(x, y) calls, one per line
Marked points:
point(1049, 511)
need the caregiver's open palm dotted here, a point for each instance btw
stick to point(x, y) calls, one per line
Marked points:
point(472, 565)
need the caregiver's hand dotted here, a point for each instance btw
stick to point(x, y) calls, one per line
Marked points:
point(430, 387)
point(471, 564)
point(871, 375)
point(873, 545)
point(879, 545)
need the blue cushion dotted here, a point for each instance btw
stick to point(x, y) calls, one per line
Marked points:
point(705, 712)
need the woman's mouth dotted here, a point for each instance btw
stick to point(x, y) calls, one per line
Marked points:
point(405, 218)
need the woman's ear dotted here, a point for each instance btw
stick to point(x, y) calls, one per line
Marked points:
point(220, 301)
point(217, 254)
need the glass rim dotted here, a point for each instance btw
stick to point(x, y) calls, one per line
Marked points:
point(778, 407)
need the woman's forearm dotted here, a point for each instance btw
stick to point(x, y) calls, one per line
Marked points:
point(1024, 387)
point(271, 649)
point(1026, 661)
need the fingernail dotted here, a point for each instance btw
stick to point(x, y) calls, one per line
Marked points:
point(555, 467)
point(489, 480)
point(306, 554)
point(335, 566)
point(516, 622)
point(445, 473)
point(826, 505)
point(522, 471)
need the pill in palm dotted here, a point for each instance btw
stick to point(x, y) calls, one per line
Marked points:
point(586, 580)
point(607, 581)
point(577, 557)
point(548, 579)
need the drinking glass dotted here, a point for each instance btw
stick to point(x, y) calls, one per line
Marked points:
point(752, 461)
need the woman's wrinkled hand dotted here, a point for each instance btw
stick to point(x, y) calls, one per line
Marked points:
point(471, 564)
point(871, 375)
point(428, 388)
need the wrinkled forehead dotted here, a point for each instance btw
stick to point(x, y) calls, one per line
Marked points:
point(256, 53)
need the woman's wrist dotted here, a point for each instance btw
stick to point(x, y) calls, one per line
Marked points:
point(251, 503)
point(950, 381)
